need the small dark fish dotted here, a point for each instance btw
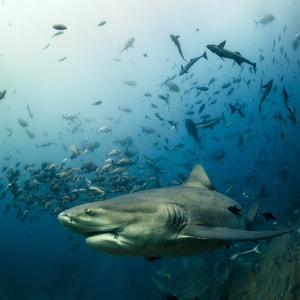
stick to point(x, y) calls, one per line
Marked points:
point(102, 23)
point(172, 86)
point(192, 130)
point(97, 102)
point(152, 258)
point(159, 117)
point(265, 20)
point(2, 94)
point(164, 97)
point(171, 297)
point(203, 88)
point(234, 209)
point(201, 109)
point(46, 46)
point(59, 27)
point(29, 112)
point(22, 122)
point(57, 33)
point(269, 216)
point(234, 109)
point(62, 59)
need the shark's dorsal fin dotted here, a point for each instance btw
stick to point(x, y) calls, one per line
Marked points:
point(199, 178)
point(221, 45)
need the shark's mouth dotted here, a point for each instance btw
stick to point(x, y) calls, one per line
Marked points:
point(91, 234)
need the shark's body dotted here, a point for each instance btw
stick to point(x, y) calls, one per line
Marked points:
point(224, 53)
point(267, 88)
point(185, 69)
point(175, 39)
point(183, 220)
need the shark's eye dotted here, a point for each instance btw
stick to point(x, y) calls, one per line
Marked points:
point(89, 212)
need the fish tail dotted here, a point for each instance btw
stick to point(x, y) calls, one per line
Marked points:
point(204, 55)
point(255, 23)
point(256, 249)
point(254, 67)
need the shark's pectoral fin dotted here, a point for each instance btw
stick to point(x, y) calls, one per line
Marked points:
point(228, 234)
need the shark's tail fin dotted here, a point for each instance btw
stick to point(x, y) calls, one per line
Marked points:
point(204, 55)
point(254, 67)
point(252, 213)
point(255, 23)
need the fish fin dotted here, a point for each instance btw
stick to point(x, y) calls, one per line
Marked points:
point(238, 62)
point(199, 178)
point(204, 55)
point(238, 53)
point(221, 45)
point(255, 23)
point(266, 85)
point(229, 234)
point(152, 258)
point(254, 67)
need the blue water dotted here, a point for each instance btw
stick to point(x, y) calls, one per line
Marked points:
point(41, 260)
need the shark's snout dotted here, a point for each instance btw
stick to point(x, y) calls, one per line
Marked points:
point(64, 218)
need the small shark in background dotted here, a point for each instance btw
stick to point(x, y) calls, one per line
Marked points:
point(166, 222)
point(267, 87)
point(185, 69)
point(285, 97)
point(224, 53)
point(175, 39)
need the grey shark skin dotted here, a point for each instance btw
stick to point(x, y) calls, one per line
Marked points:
point(186, 68)
point(267, 87)
point(175, 39)
point(224, 53)
point(165, 222)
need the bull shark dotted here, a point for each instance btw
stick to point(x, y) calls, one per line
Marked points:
point(285, 97)
point(267, 87)
point(224, 53)
point(192, 61)
point(175, 39)
point(166, 222)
